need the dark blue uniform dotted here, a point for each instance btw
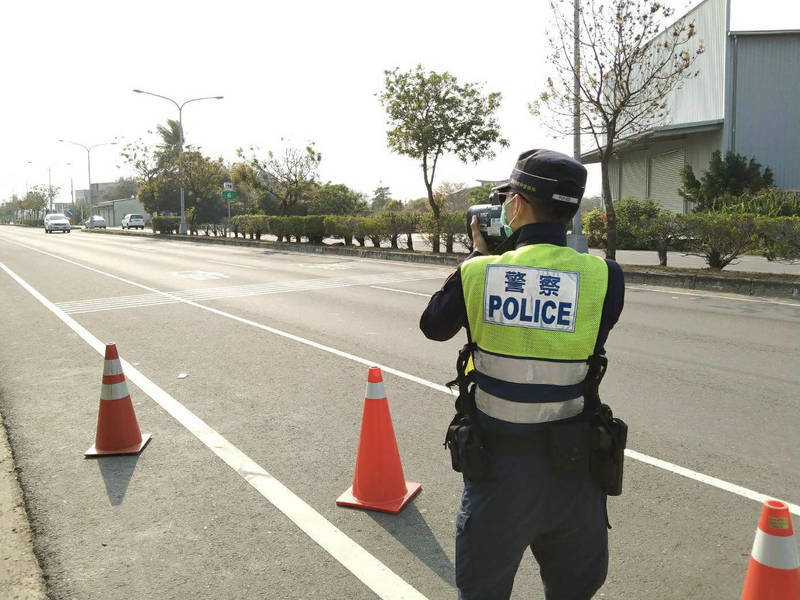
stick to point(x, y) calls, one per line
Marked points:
point(560, 516)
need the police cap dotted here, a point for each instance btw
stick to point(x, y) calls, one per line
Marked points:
point(548, 175)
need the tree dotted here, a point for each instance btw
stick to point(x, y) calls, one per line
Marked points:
point(202, 182)
point(336, 199)
point(156, 176)
point(38, 199)
point(480, 194)
point(431, 113)
point(733, 176)
point(288, 176)
point(454, 197)
point(124, 187)
point(380, 196)
point(626, 73)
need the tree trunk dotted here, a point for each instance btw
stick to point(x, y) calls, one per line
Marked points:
point(662, 257)
point(435, 242)
point(608, 205)
point(410, 242)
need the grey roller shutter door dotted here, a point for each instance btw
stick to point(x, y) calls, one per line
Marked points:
point(665, 179)
point(634, 176)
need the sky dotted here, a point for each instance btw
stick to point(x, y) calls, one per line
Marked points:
point(290, 73)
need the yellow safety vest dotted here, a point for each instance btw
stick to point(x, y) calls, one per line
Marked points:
point(534, 315)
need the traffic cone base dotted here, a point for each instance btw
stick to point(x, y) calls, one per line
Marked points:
point(378, 482)
point(117, 429)
point(393, 506)
point(93, 451)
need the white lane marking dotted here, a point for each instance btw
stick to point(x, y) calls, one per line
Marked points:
point(642, 288)
point(378, 287)
point(200, 275)
point(219, 262)
point(707, 479)
point(371, 571)
point(656, 462)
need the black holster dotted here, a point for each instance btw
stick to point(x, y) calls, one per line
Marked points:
point(607, 434)
point(464, 438)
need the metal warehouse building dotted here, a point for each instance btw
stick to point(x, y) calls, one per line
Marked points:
point(746, 99)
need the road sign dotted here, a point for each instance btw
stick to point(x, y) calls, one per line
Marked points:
point(69, 212)
point(228, 195)
point(227, 185)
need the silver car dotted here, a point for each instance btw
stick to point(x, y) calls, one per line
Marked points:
point(96, 221)
point(56, 222)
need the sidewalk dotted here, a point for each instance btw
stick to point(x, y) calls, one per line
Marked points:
point(20, 575)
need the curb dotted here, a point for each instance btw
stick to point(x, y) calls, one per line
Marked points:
point(748, 286)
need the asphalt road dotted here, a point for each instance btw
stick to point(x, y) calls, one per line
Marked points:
point(275, 348)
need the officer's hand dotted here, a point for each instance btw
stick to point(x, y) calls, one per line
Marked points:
point(478, 243)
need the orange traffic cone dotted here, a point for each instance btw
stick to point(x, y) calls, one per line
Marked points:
point(378, 483)
point(117, 429)
point(774, 571)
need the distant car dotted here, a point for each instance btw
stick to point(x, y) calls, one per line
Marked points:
point(133, 221)
point(96, 221)
point(56, 222)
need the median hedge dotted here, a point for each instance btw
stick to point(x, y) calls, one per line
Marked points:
point(381, 229)
point(719, 237)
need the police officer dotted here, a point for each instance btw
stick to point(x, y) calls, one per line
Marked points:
point(534, 315)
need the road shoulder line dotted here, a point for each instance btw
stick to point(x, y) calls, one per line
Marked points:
point(367, 568)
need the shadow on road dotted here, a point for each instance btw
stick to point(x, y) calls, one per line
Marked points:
point(410, 529)
point(117, 472)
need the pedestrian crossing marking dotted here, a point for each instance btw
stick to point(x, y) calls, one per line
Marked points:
point(244, 291)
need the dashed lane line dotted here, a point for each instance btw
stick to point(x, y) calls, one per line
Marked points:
point(656, 462)
point(367, 568)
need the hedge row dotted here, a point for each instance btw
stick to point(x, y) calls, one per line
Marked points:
point(379, 229)
point(718, 237)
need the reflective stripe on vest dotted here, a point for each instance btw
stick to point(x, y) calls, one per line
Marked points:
point(534, 314)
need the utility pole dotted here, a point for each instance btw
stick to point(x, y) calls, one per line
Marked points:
point(89, 168)
point(182, 226)
point(576, 240)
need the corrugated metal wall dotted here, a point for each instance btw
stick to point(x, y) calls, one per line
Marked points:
point(702, 98)
point(766, 119)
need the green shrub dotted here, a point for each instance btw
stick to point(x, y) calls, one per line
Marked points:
point(778, 238)
point(166, 225)
point(429, 227)
point(718, 238)
point(314, 228)
point(632, 217)
point(279, 227)
point(394, 224)
point(594, 226)
point(339, 226)
point(768, 202)
point(453, 226)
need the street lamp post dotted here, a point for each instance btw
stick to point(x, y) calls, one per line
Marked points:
point(89, 167)
point(576, 240)
point(182, 226)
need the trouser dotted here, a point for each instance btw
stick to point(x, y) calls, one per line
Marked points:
point(560, 516)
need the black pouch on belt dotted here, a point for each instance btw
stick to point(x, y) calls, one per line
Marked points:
point(569, 446)
point(609, 436)
point(464, 438)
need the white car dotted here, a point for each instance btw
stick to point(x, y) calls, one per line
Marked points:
point(56, 222)
point(133, 221)
point(96, 221)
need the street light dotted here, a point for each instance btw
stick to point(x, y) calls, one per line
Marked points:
point(182, 226)
point(89, 165)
